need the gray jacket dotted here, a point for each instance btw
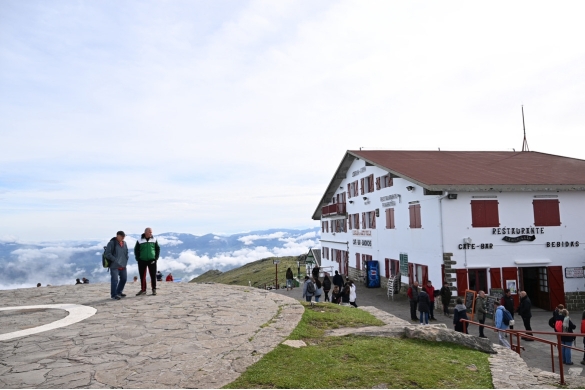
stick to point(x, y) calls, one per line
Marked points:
point(305, 292)
point(118, 255)
point(480, 308)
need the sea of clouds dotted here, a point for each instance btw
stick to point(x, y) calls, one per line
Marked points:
point(24, 264)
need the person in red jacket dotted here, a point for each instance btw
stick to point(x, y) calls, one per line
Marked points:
point(430, 290)
point(583, 331)
point(169, 277)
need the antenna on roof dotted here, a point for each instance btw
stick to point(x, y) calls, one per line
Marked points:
point(525, 143)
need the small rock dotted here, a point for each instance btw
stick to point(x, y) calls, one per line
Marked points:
point(471, 367)
point(295, 343)
point(455, 361)
point(381, 386)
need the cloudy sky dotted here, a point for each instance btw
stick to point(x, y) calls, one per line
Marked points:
point(229, 116)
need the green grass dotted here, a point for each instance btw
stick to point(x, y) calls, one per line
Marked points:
point(257, 272)
point(361, 361)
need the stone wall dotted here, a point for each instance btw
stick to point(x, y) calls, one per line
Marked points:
point(575, 301)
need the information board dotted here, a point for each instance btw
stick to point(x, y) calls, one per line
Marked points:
point(497, 293)
point(404, 264)
point(574, 272)
point(490, 306)
point(470, 301)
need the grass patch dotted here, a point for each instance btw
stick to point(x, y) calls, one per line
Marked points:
point(323, 316)
point(361, 361)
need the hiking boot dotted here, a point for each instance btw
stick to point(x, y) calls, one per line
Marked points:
point(583, 362)
point(153, 291)
point(141, 292)
point(117, 298)
point(122, 295)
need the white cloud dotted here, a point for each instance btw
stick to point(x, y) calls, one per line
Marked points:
point(168, 240)
point(249, 240)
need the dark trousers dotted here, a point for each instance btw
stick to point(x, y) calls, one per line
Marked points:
point(143, 266)
point(432, 309)
point(326, 295)
point(481, 321)
point(527, 326)
point(446, 308)
point(413, 310)
point(353, 304)
point(512, 326)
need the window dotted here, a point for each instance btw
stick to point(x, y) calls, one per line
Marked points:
point(340, 225)
point(414, 211)
point(383, 182)
point(349, 190)
point(369, 220)
point(390, 218)
point(421, 274)
point(392, 267)
point(484, 213)
point(370, 183)
point(546, 212)
point(543, 279)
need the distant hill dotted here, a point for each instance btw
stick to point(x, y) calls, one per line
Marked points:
point(256, 273)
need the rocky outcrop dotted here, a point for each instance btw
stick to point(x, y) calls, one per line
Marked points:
point(440, 333)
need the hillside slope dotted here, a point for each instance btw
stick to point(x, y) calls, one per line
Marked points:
point(257, 273)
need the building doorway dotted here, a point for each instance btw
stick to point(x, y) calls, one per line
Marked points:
point(534, 280)
point(478, 279)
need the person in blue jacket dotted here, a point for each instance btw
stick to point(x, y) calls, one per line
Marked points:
point(499, 321)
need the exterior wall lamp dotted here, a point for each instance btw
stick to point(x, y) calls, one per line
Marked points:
point(410, 188)
point(351, 201)
point(365, 198)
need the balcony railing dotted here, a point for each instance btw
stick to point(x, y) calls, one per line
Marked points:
point(333, 209)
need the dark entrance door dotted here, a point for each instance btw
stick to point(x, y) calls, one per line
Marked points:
point(534, 280)
point(478, 279)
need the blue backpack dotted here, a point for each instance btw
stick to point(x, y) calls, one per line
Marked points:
point(506, 317)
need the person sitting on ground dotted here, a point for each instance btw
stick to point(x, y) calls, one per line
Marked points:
point(85, 281)
point(77, 281)
point(459, 313)
point(169, 277)
point(345, 295)
point(135, 279)
point(38, 285)
point(159, 276)
point(336, 295)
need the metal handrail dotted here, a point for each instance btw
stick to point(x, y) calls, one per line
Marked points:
point(528, 334)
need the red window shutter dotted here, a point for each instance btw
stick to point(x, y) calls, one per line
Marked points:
point(555, 286)
point(349, 190)
point(461, 282)
point(390, 182)
point(349, 221)
point(373, 222)
point(546, 212)
point(484, 213)
point(495, 278)
point(387, 267)
point(378, 186)
point(355, 188)
point(477, 213)
point(357, 261)
point(425, 275)
point(387, 211)
point(391, 218)
point(343, 197)
point(417, 215)
point(412, 214)
point(363, 220)
point(491, 213)
point(362, 183)
point(371, 183)
point(410, 273)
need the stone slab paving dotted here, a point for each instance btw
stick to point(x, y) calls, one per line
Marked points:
point(189, 335)
point(14, 320)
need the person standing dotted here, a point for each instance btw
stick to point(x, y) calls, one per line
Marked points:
point(508, 302)
point(308, 289)
point(289, 279)
point(524, 310)
point(117, 254)
point(170, 278)
point(318, 290)
point(568, 327)
point(460, 313)
point(147, 252)
point(583, 331)
point(413, 299)
point(326, 287)
point(352, 293)
point(424, 303)
point(446, 295)
point(430, 290)
point(481, 310)
point(500, 325)
point(338, 281)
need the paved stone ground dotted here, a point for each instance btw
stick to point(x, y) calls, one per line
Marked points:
point(534, 360)
point(11, 321)
point(189, 335)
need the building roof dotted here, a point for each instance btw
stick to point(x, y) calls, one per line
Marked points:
point(469, 171)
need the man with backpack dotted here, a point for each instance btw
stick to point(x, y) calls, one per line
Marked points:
point(502, 321)
point(116, 253)
point(308, 289)
point(146, 252)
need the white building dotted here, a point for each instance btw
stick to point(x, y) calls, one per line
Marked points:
point(479, 220)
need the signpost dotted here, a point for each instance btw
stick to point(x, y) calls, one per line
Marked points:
point(275, 262)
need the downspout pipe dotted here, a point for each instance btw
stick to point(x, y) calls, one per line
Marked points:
point(441, 224)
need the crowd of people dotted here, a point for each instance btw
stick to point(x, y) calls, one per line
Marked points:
point(334, 290)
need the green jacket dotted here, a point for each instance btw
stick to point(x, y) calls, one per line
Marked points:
point(146, 249)
point(480, 307)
